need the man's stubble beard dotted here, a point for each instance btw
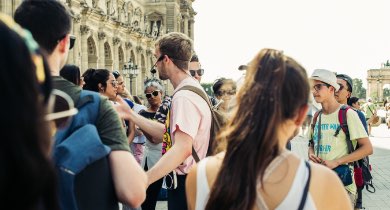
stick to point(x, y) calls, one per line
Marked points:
point(162, 74)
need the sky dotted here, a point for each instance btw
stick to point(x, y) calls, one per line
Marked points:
point(344, 36)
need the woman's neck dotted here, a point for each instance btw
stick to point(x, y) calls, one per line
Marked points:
point(153, 108)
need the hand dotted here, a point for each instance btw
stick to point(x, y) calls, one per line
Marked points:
point(315, 159)
point(331, 163)
point(123, 109)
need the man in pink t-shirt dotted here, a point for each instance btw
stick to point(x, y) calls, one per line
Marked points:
point(189, 117)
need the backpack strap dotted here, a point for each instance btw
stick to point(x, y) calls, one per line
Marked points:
point(344, 126)
point(86, 97)
point(313, 125)
point(306, 189)
point(202, 94)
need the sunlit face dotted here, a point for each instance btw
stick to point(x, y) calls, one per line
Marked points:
point(320, 90)
point(121, 85)
point(356, 105)
point(195, 66)
point(343, 94)
point(161, 68)
point(226, 92)
point(153, 95)
point(111, 88)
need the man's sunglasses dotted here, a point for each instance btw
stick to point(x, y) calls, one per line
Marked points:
point(341, 86)
point(153, 70)
point(72, 40)
point(200, 72)
point(61, 109)
point(154, 93)
point(318, 87)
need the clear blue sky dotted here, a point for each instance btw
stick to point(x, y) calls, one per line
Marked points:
point(346, 36)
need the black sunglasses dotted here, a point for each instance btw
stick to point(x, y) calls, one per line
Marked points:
point(153, 70)
point(154, 93)
point(341, 86)
point(72, 41)
point(200, 72)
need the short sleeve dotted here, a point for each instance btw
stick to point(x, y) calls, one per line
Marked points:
point(186, 115)
point(355, 126)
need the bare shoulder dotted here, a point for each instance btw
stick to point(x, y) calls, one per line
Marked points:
point(327, 190)
point(213, 166)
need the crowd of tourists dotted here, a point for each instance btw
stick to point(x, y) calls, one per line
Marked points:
point(77, 139)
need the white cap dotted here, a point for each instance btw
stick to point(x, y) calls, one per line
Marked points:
point(326, 76)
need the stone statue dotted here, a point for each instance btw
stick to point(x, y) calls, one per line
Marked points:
point(95, 3)
point(162, 29)
point(147, 27)
point(155, 30)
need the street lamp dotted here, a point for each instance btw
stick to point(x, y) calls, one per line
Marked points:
point(130, 70)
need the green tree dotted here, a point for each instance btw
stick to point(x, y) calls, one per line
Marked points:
point(358, 89)
point(208, 87)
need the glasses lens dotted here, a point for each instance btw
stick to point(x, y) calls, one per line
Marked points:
point(341, 86)
point(148, 95)
point(155, 93)
point(200, 72)
point(192, 72)
point(72, 41)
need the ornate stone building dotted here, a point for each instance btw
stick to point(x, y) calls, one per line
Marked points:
point(110, 33)
point(376, 80)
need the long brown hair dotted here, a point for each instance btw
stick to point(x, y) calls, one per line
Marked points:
point(275, 88)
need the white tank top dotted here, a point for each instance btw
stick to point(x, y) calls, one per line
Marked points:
point(291, 201)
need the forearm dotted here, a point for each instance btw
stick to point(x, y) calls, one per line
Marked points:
point(153, 128)
point(129, 179)
point(310, 150)
point(168, 162)
point(131, 132)
point(358, 154)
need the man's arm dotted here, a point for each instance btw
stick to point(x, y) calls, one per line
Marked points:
point(129, 179)
point(180, 151)
point(153, 128)
point(365, 149)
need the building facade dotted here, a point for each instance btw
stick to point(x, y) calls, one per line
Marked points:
point(376, 80)
point(110, 33)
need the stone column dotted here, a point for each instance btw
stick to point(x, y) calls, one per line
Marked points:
point(192, 21)
point(368, 93)
point(115, 59)
point(101, 58)
point(84, 30)
point(380, 90)
point(185, 25)
point(74, 56)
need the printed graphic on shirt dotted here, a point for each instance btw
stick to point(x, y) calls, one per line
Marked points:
point(167, 141)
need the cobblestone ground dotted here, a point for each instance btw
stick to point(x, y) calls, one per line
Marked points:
point(380, 169)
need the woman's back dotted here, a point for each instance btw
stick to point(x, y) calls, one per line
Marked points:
point(283, 185)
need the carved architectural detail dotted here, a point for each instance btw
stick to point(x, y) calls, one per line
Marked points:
point(128, 45)
point(101, 35)
point(139, 49)
point(84, 29)
point(116, 40)
point(148, 52)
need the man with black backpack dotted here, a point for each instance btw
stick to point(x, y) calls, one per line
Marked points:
point(342, 96)
point(328, 143)
point(114, 175)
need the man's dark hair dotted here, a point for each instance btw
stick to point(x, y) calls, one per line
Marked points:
point(194, 58)
point(47, 20)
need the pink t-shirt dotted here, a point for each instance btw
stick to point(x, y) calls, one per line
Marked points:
point(191, 115)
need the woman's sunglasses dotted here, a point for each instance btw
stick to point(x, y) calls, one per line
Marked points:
point(154, 93)
point(60, 109)
point(200, 72)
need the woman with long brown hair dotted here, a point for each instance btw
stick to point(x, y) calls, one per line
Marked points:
point(256, 171)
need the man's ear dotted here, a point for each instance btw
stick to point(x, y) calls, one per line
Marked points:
point(301, 115)
point(63, 43)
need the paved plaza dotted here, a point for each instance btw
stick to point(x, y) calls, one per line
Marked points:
point(380, 169)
